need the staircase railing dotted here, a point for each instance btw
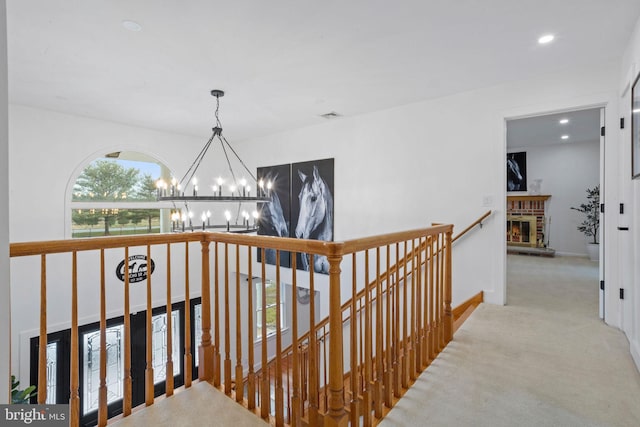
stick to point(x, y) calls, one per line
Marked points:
point(357, 305)
point(403, 320)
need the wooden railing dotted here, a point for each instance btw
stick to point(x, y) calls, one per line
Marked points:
point(330, 375)
point(357, 304)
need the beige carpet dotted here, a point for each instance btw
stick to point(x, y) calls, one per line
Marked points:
point(545, 359)
point(201, 405)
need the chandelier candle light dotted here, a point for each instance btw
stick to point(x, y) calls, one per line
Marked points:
point(237, 190)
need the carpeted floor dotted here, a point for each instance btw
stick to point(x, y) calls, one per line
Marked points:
point(545, 359)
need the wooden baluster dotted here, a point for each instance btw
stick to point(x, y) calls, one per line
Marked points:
point(314, 381)
point(425, 304)
point(336, 413)
point(239, 375)
point(353, 329)
point(216, 302)
point(148, 373)
point(377, 385)
point(227, 325)
point(396, 329)
point(278, 365)
point(325, 368)
point(265, 392)
point(128, 390)
point(74, 400)
point(368, 348)
point(361, 335)
point(42, 342)
point(205, 349)
point(448, 316)
point(102, 390)
point(295, 397)
point(412, 337)
point(441, 290)
point(388, 389)
point(432, 302)
point(169, 364)
point(417, 261)
point(251, 377)
point(188, 357)
point(436, 296)
point(405, 331)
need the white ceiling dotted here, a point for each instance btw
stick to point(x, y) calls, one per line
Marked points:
point(285, 62)
point(583, 126)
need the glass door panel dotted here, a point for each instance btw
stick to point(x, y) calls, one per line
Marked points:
point(159, 342)
point(91, 367)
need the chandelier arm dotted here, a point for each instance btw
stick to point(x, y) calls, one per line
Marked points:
point(239, 159)
point(196, 163)
point(233, 176)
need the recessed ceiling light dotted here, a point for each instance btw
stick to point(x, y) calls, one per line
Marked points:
point(547, 38)
point(131, 25)
point(565, 137)
point(330, 115)
point(564, 121)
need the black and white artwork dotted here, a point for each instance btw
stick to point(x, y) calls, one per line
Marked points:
point(517, 171)
point(275, 216)
point(301, 206)
point(312, 207)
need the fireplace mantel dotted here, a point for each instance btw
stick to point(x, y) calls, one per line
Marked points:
point(532, 197)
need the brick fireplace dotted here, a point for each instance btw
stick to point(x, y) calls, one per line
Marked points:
point(526, 220)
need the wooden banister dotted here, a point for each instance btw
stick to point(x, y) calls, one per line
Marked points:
point(398, 302)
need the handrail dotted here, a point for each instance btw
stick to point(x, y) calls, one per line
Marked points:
point(363, 244)
point(473, 224)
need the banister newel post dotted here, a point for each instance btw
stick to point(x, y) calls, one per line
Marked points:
point(336, 414)
point(205, 349)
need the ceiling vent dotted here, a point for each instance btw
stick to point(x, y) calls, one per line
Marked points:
point(331, 115)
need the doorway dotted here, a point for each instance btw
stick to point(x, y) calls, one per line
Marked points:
point(59, 354)
point(558, 165)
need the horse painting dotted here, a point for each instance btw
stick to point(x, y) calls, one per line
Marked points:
point(274, 215)
point(315, 218)
point(516, 173)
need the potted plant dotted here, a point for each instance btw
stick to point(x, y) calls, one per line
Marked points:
point(591, 224)
point(21, 396)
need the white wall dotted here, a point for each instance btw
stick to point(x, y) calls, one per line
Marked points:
point(5, 289)
point(552, 163)
point(440, 160)
point(630, 267)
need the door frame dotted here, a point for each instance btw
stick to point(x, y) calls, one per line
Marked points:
point(534, 112)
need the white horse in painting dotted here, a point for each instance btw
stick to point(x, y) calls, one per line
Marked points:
point(315, 220)
point(514, 176)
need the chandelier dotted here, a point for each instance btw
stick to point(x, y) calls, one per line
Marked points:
point(226, 189)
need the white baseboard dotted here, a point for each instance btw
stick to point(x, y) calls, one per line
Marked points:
point(572, 254)
point(635, 353)
point(492, 297)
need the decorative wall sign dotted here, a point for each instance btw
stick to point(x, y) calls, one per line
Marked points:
point(301, 206)
point(517, 171)
point(137, 267)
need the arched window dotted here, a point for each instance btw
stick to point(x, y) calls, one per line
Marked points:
point(116, 195)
